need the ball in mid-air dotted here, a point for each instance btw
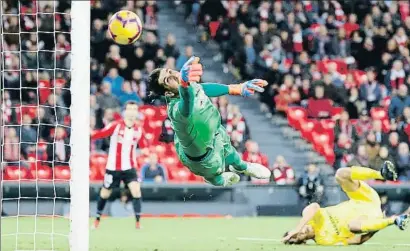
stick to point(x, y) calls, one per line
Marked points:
point(125, 27)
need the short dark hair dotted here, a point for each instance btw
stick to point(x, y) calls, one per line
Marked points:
point(155, 88)
point(130, 102)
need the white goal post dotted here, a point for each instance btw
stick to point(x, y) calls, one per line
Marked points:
point(80, 125)
point(44, 197)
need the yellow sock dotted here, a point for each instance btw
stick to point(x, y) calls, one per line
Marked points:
point(364, 173)
point(376, 224)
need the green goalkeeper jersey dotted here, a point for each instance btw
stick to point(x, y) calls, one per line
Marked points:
point(195, 133)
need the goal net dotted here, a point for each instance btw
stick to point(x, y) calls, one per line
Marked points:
point(44, 97)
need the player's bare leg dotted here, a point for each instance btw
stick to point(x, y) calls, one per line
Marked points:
point(135, 189)
point(250, 169)
point(102, 200)
point(224, 179)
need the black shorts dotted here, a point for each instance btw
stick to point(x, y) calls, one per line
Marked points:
point(112, 179)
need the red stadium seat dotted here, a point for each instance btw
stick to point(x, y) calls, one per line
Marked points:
point(62, 173)
point(180, 175)
point(295, 116)
point(308, 128)
point(41, 172)
point(95, 173)
point(16, 173)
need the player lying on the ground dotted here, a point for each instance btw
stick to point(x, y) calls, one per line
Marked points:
point(351, 222)
point(125, 135)
point(202, 143)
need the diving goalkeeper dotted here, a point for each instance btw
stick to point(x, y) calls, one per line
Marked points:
point(201, 142)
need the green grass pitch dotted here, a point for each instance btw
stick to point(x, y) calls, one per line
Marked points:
point(180, 234)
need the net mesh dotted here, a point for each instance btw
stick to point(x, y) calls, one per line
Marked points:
point(35, 124)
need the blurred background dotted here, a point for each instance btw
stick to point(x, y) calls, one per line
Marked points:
point(338, 74)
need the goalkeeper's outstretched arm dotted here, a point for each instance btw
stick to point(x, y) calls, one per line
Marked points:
point(245, 89)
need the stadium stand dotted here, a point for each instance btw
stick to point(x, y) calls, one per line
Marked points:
point(322, 59)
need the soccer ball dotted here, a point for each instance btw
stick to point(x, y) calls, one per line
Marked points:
point(125, 27)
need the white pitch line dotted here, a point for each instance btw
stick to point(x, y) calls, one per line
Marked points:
point(257, 239)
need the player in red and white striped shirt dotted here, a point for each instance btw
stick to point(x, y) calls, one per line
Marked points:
point(125, 135)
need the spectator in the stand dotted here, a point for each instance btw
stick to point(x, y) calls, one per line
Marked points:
point(150, 45)
point(288, 94)
point(393, 143)
point(311, 186)
point(128, 94)
point(354, 105)
point(403, 161)
point(370, 90)
point(115, 80)
point(167, 133)
point(399, 102)
point(53, 109)
point(123, 69)
point(246, 57)
point(11, 149)
point(322, 44)
point(396, 75)
point(343, 125)
point(383, 156)
point(304, 90)
point(28, 134)
point(153, 171)
point(372, 147)
point(237, 140)
point(336, 77)
point(361, 158)
point(319, 106)
point(343, 150)
point(189, 51)
point(160, 58)
point(364, 124)
point(253, 155)
point(105, 99)
point(283, 174)
point(170, 49)
point(58, 150)
point(403, 125)
point(111, 60)
point(377, 129)
point(340, 44)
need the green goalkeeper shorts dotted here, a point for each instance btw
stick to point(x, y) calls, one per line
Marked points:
point(214, 163)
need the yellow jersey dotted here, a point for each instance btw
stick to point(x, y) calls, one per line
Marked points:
point(331, 224)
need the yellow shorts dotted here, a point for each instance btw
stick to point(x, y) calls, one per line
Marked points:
point(366, 199)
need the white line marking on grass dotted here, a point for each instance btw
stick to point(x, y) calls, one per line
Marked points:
point(257, 239)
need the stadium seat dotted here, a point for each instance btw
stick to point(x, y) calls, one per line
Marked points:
point(62, 173)
point(95, 174)
point(179, 175)
point(41, 172)
point(295, 116)
point(16, 173)
point(308, 128)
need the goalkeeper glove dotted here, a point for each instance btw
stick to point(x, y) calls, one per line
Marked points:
point(191, 71)
point(248, 88)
